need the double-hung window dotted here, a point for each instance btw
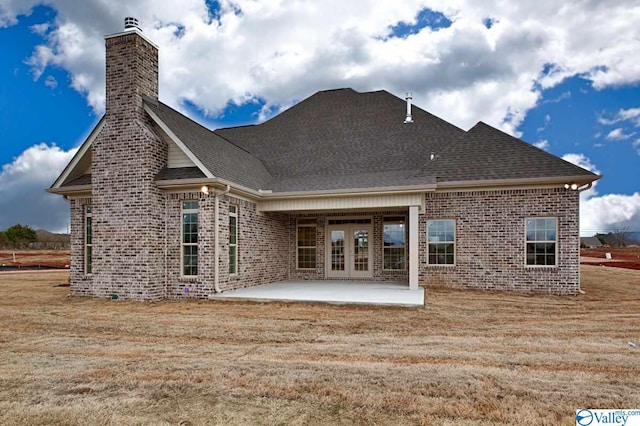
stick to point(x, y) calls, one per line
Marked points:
point(394, 237)
point(306, 243)
point(88, 240)
point(541, 244)
point(189, 238)
point(233, 239)
point(441, 236)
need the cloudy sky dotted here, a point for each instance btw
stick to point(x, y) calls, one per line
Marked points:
point(564, 76)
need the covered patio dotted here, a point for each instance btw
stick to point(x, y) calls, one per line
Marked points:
point(330, 291)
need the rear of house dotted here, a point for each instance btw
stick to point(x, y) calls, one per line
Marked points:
point(342, 186)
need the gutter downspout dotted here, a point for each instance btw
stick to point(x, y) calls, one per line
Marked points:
point(216, 236)
point(589, 185)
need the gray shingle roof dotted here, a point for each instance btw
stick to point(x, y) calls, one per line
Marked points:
point(355, 181)
point(222, 158)
point(180, 173)
point(486, 153)
point(343, 132)
point(340, 139)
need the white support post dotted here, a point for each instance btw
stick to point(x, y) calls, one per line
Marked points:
point(413, 248)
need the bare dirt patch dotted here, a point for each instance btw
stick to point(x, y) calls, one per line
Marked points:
point(27, 258)
point(623, 257)
point(467, 358)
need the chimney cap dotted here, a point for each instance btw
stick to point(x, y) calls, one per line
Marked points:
point(131, 23)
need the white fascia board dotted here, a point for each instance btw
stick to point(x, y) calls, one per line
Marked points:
point(476, 185)
point(78, 156)
point(348, 192)
point(70, 191)
point(178, 142)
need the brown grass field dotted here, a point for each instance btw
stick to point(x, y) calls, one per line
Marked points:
point(468, 358)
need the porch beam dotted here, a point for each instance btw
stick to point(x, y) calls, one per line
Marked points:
point(413, 247)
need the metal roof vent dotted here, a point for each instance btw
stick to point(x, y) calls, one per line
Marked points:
point(409, 118)
point(131, 23)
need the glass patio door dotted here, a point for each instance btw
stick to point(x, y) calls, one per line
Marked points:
point(349, 251)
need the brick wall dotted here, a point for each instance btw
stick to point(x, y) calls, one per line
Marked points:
point(81, 284)
point(262, 246)
point(128, 208)
point(490, 240)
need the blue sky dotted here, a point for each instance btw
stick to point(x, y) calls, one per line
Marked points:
point(235, 63)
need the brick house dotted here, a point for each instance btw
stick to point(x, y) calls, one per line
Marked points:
point(342, 186)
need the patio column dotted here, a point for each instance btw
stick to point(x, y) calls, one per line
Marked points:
point(413, 247)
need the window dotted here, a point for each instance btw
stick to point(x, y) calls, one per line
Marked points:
point(541, 241)
point(393, 234)
point(88, 240)
point(233, 239)
point(189, 238)
point(306, 243)
point(441, 242)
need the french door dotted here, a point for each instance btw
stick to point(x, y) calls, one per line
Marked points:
point(349, 251)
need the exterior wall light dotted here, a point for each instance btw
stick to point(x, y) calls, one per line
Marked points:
point(204, 189)
point(571, 186)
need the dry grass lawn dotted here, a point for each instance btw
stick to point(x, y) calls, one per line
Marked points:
point(467, 358)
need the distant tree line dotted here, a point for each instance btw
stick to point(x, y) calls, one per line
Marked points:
point(18, 236)
point(618, 238)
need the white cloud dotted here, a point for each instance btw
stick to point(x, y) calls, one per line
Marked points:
point(22, 185)
point(281, 52)
point(51, 82)
point(631, 114)
point(11, 9)
point(607, 212)
point(542, 144)
point(618, 135)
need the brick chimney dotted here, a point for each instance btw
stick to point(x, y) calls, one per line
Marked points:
point(132, 69)
point(127, 206)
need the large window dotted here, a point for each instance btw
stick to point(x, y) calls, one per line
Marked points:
point(394, 237)
point(88, 240)
point(233, 239)
point(541, 241)
point(441, 242)
point(306, 243)
point(190, 238)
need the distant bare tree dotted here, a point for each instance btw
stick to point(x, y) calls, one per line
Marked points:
point(621, 236)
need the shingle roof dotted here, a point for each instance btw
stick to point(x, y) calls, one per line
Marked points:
point(339, 139)
point(354, 181)
point(180, 173)
point(343, 132)
point(222, 158)
point(486, 153)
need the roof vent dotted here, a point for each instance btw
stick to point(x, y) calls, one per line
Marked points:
point(408, 118)
point(131, 23)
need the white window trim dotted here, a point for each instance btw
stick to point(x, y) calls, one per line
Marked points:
point(306, 225)
point(455, 244)
point(406, 229)
point(536, 241)
point(88, 215)
point(233, 214)
point(183, 244)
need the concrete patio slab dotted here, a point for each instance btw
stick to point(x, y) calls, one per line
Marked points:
point(337, 292)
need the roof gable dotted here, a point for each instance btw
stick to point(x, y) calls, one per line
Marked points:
point(80, 164)
point(213, 155)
